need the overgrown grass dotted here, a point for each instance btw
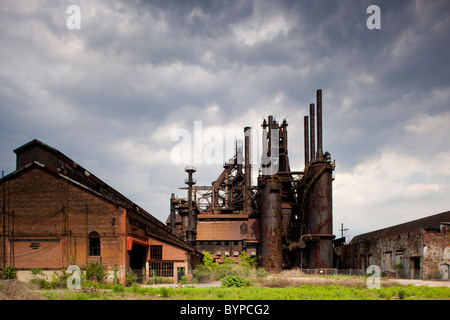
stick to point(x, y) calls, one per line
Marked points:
point(210, 271)
point(303, 292)
point(245, 282)
point(414, 293)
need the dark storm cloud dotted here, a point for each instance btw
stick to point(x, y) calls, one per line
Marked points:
point(110, 94)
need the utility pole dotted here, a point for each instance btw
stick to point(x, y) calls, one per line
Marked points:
point(342, 230)
point(4, 219)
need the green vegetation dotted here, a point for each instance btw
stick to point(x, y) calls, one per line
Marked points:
point(8, 272)
point(239, 281)
point(131, 278)
point(413, 293)
point(303, 292)
point(96, 271)
point(233, 281)
point(210, 271)
point(94, 275)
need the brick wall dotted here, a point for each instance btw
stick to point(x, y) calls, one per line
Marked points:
point(52, 218)
point(49, 219)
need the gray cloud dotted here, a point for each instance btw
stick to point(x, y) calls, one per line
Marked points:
point(110, 94)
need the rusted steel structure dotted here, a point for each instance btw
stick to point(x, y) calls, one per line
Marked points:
point(285, 220)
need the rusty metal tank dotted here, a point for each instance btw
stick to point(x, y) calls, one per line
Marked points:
point(319, 234)
point(271, 223)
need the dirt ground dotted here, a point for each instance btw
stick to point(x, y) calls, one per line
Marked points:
point(296, 278)
point(17, 290)
point(293, 277)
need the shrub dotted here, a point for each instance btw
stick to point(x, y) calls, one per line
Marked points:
point(183, 280)
point(208, 260)
point(59, 280)
point(95, 270)
point(248, 262)
point(8, 272)
point(164, 292)
point(401, 293)
point(233, 281)
point(130, 278)
point(118, 288)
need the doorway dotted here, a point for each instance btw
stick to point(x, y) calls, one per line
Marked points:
point(180, 273)
point(138, 255)
point(415, 267)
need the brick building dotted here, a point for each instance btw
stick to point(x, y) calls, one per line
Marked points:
point(55, 213)
point(418, 249)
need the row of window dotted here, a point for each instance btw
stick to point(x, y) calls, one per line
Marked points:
point(160, 269)
point(218, 243)
point(94, 247)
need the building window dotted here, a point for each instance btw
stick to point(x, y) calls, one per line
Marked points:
point(161, 269)
point(94, 244)
point(155, 252)
point(243, 228)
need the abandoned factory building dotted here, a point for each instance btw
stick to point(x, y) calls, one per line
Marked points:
point(55, 213)
point(285, 220)
point(419, 249)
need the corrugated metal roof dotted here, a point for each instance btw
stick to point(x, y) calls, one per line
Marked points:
point(430, 222)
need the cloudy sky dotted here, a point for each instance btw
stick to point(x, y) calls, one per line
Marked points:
point(113, 94)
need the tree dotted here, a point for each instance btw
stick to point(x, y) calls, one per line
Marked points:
point(248, 262)
point(208, 260)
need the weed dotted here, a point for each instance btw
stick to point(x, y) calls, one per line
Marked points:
point(95, 270)
point(164, 292)
point(118, 288)
point(131, 278)
point(8, 272)
point(401, 293)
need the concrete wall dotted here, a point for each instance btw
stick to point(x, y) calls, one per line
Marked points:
point(436, 253)
point(422, 253)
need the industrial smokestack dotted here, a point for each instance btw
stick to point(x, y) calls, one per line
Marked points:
point(172, 213)
point(190, 222)
point(306, 131)
point(312, 132)
point(248, 170)
point(319, 125)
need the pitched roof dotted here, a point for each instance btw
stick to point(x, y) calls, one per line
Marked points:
point(106, 191)
point(430, 222)
point(32, 143)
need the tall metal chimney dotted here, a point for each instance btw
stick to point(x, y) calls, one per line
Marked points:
point(172, 213)
point(248, 170)
point(306, 132)
point(312, 132)
point(319, 125)
point(190, 223)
